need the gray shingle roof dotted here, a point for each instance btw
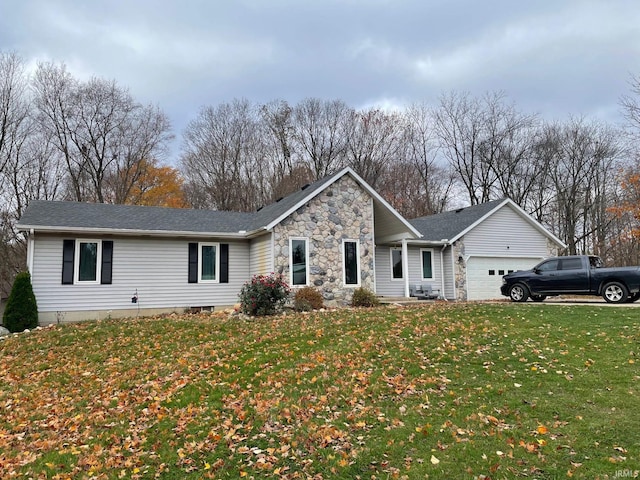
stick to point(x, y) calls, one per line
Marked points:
point(448, 225)
point(100, 216)
point(76, 215)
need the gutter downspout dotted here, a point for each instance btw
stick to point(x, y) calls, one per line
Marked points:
point(405, 266)
point(30, 248)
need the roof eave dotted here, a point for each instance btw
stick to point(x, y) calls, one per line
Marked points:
point(127, 232)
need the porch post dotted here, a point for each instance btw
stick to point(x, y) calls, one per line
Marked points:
point(405, 266)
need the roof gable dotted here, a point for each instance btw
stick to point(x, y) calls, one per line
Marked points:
point(451, 226)
point(273, 214)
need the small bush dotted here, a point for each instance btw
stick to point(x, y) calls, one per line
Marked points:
point(263, 295)
point(21, 311)
point(307, 299)
point(364, 298)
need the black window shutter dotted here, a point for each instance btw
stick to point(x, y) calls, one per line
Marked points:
point(193, 263)
point(107, 262)
point(224, 263)
point(68, 254)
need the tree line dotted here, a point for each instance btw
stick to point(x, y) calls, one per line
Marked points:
point(62, 138)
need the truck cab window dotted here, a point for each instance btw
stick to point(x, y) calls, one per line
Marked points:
point(571, 263)
point(549, 266)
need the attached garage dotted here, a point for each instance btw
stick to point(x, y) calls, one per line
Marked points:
point(480, 244)
point(484, 274)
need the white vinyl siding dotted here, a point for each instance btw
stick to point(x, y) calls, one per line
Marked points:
point(384, 285)
point(395, 288)
point(261, 255)
point(156, 268)
point(505, 233)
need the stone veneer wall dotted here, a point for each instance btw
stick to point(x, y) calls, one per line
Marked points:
point(342, 211)
point(460, 271)
point(552, 248)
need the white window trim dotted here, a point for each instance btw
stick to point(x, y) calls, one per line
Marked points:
point(344, 263)
point(422, 264)
point(76, 262)
point(393, 279)
point(306, 253)
point(200, 257)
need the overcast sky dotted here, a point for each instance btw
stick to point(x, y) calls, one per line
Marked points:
point(553, 57)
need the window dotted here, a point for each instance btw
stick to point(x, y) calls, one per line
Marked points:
point(500, 272)
point(86, 261)
point(571, 264)
point(396, 263)
point(492, 272)
point(427, 264)
point(549, 266)
point(208, 265)
point(351, 258)
point(299, 261)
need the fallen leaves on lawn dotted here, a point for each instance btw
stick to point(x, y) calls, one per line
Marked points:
point(353, 393)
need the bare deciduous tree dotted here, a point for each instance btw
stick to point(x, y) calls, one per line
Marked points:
point(14, 131)
point(319, 129)
point(420, 149)
point(102, 133)
point(373, 141)
point(217, 160)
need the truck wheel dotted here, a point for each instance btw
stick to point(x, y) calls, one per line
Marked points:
point(615, 292)
point(519, 292)
point(633, 298)
point(538, 298)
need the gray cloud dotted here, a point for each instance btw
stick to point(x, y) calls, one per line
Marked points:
point(554, 58)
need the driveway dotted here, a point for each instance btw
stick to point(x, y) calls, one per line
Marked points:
point(593, 301)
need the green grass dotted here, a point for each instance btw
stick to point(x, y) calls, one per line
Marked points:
point(443, 391)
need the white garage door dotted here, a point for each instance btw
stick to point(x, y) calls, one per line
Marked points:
point(484, 274)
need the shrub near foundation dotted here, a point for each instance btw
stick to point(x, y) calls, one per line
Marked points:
point(21, 311)
point(264, 295)
point(364, 298)
point(306, 299)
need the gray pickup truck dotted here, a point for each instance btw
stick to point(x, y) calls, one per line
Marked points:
point(573, 275)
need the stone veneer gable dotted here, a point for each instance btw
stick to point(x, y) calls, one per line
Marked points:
point(343, 211)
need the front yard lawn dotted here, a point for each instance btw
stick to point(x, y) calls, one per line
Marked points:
point(443, 391)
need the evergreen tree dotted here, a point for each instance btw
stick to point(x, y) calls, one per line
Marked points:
point(21, 311)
